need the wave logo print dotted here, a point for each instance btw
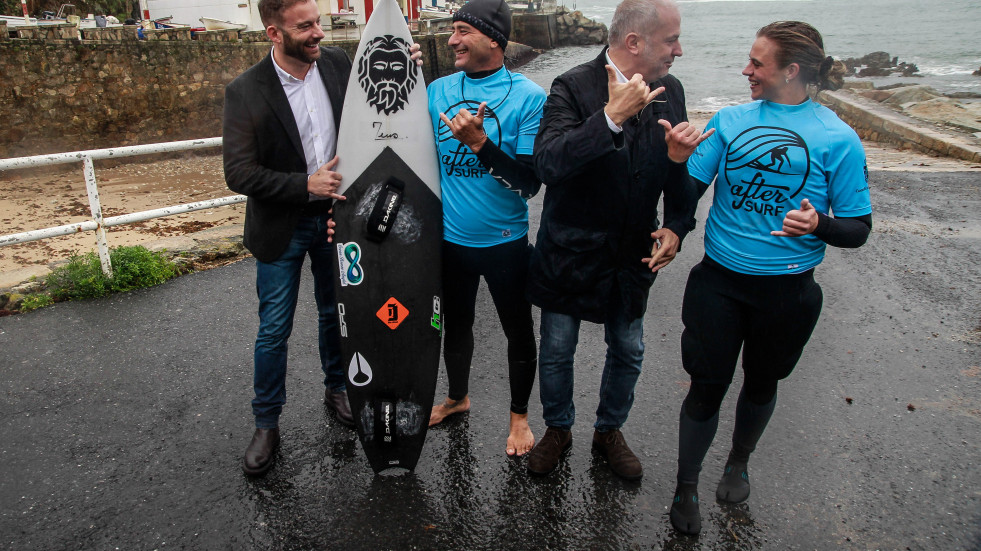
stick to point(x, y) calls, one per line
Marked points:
point(457, 159)
point(765, 166)
point(348, 258)
point(359, 372)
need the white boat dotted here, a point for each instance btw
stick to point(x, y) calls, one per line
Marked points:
point(344, 16)
point(212, 24)
point(167, 23)
point(18, 21)
point(433, 13)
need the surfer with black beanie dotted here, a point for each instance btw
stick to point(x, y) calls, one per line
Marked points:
point(613, 139)
point(485, 119)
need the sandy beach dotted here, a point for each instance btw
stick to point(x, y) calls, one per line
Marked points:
point(33, 200)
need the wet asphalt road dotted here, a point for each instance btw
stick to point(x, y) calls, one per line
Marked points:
point(123, 421)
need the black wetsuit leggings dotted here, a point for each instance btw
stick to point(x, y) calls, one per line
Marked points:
point(504, 267)
point(769, 317)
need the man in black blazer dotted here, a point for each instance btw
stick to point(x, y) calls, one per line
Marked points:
point(613, 140)
point(280, 133)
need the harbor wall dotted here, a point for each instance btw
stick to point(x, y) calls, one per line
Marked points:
point(69, 95)
point(67, 89)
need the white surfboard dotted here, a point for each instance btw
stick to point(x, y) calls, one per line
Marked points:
point(388, 237)
point(386, 103)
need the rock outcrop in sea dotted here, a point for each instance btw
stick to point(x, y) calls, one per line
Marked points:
point(879, 64)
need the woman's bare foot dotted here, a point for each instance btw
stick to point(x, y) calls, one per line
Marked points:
point(447, 408)
point(520, 438)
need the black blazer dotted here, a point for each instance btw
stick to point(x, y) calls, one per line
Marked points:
point(263, 155)
point(601, 195)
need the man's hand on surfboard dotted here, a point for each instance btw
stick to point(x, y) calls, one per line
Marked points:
point(627, 98)
point(325, 181)
point(415, 53)
point(682, 139)
point(468, 128)
point(330, 225)
point(666, 244)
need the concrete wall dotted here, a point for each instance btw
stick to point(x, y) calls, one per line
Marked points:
point(66, 89)
point(68, 95)
point(874, 122)
point(537, 31)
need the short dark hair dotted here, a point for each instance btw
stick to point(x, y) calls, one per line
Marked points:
point(800, 43)
point(271, 11)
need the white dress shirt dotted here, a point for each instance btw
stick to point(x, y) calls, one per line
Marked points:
point(314, 116)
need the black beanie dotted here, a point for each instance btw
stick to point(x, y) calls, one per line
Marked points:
point(491, 17)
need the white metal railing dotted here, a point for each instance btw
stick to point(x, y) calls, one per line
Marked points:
point(98, 223)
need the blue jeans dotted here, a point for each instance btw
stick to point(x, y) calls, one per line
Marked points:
point(277, 284)
point(624, 356)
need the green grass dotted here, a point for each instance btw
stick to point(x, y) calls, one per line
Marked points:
point(133, 268)
point(35, 301)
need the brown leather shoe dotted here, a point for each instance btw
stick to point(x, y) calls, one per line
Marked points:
point(261, 453)
point(339, 404)
point(544, 457)
point(622, 461)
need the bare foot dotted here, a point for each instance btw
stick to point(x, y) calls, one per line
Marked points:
point(447, 408)
point(520, 439)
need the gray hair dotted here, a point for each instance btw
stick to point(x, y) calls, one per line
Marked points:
point(635, 16)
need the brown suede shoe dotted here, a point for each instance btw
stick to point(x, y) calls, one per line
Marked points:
point(260, 454)
point(339, 404)
point(544, 457)
point(622, 461)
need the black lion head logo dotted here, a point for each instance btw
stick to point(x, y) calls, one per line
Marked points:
point(386, 73)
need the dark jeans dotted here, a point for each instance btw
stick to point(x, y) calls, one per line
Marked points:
point(624, 356)
point(504, 267)
point(277, 285)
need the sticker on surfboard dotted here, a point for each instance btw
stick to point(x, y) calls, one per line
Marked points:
point(359, 372)
point(392, 313)
point(348, 264)
point(386, 73)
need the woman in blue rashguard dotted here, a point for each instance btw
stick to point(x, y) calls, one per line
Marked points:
point(780, 165)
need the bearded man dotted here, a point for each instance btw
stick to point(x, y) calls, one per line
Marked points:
point(280, 134)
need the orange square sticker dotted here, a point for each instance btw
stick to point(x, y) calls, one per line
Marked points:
point(392, 313)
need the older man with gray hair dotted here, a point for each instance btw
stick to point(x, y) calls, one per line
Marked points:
point(613, 138)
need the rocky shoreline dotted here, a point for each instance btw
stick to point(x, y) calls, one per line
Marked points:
point(960, 112)
point(957, 111)
point(575, 29)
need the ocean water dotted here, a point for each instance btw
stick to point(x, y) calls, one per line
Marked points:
point(942, 37)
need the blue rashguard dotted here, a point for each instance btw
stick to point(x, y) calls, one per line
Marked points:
point(478, 211)
point(765, 158)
